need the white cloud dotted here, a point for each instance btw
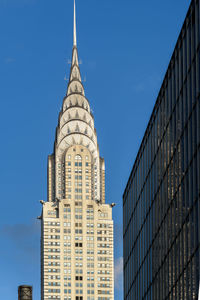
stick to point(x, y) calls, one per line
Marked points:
point(118, 234)
point(24, 238)
point(119, 273)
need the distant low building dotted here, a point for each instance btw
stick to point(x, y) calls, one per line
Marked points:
point(25, 292)
point(161, 202)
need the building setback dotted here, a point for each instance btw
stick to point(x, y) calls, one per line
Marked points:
point(76, 223)
point(161, 202)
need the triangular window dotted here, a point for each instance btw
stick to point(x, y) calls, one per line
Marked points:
point(77, 128)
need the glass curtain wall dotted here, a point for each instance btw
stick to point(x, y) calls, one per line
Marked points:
point(161, 202)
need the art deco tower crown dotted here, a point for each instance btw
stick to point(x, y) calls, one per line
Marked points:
point(75, 127)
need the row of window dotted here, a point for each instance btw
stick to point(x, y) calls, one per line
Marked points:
point(89, 245)
point(53, 223)
point(88, 224)
point(103, 245)
point(53, 236)
point(80, 278)
point(77, 170)
point(77, 197)
point(54, 230)
point(104, 279)
point(77, 177)
point(57, 277)
point(77, 183)
point(100, 258)
point(78, 159)
point(89, 258)
point(80, 225)
point(101, 292)
point(78, 291)
point(79, 231)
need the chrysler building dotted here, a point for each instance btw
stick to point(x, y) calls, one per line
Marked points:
point(76, 224)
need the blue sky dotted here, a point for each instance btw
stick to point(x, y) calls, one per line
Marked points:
point(125, 48)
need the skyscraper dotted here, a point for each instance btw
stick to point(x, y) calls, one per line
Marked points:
point(161, 202)
point(76, 224)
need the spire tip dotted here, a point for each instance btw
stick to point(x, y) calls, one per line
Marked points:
point(75, 43)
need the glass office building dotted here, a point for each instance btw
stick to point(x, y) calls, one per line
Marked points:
point(161, 202)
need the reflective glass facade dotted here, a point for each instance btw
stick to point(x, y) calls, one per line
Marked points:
point(161, 202)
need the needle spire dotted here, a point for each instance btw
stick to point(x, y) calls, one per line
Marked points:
point(75, 44)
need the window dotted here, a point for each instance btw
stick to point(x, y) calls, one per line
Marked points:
point(78, 217)
point(54, 223)
point(67, 244)
point(79, 271)
point(79, 284)
point(67, 216)
point(78, 157)
point(67, 257)
point(67, 251)
point(67, 283)
point(51, 213)
point(78, 244)
point(90, 225)
point(78, 238)
point(78, 277)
